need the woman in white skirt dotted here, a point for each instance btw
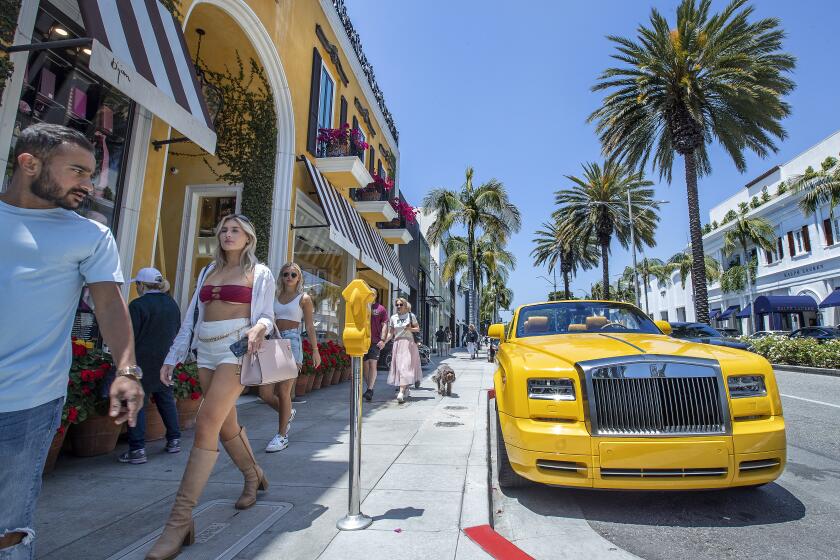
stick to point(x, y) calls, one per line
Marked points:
point(405, 357)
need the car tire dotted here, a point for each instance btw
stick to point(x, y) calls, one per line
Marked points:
point(507, 476)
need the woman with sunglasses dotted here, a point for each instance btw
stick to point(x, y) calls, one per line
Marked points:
point(291, 308)
point(233, 299)
point(405, 357)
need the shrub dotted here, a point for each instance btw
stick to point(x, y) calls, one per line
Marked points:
point(755, 202)
point(743, 207)
point(765, 195)
point(782, 189)
point(798, 351)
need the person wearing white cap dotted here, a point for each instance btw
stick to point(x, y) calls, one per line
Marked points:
point(155, 318)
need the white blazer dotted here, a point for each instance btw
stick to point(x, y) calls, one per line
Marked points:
point(262, 312)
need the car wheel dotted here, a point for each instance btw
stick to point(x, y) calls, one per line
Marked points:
point(507, 476)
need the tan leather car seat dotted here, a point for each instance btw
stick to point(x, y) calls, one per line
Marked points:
point(536, 324)
point(595, 322)
point(577, 327)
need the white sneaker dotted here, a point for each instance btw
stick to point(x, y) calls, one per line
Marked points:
point(277, 443)
point(400, 397)
point(289, 424)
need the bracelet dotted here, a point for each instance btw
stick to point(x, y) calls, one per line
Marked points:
point(133, 372)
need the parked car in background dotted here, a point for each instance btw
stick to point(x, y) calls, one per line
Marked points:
point(762, 334)
point(729, 331)
point(700, 332)
point(819, 333)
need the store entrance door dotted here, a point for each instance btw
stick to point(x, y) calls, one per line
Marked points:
point(204, 206)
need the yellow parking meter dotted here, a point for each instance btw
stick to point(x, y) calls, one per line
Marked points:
point(358, 296)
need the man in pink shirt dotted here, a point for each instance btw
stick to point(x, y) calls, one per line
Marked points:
point(378, 320)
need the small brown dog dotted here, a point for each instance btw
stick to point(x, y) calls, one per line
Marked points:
point(444, 377)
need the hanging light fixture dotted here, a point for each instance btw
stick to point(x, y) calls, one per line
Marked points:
point(212, 93)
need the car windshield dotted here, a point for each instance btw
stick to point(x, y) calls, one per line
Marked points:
point(576, 317)
point(693, 331)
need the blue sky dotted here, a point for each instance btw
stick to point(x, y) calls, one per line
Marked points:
point(505, 87)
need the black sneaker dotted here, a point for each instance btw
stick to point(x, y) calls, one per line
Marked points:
point(368, 395)
point(298, 400)
point(416, 384)
point(173, 446)
point(136, 457)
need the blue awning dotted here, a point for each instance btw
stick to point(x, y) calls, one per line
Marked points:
point(714, 314)
point(729, 311)
point(745, 312)
point(832, 300)
point(784, 304)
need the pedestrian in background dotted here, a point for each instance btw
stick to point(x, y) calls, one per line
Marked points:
point(155, 319)
point(472, 341)
point(49, 252)
point(447, 341)
point(292, 308)
point(405, 356)
point(234, 297)
point(378, 326)
point(440, 336)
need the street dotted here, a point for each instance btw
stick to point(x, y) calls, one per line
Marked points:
point(795, 517)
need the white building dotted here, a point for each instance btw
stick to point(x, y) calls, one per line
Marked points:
point(793, 279)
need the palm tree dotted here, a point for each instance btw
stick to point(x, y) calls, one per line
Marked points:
point(648, 267)
point(683, 261)
point(486, 208)
point(710, 76)
point(596, 208)
point(496, 296)
point(566, 253)
point(819, 188)
point(748, 231)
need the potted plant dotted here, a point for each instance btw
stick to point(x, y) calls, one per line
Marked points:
point(335, 363)
point(406, 213)
point(358, 146)
point(374, 190)
point(308, 367)
point(326, 365)
point(345, 364)
point(86, 408)
point(188, 393)
point(334, 140)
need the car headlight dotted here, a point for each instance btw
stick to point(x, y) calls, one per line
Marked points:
point(551, 389)
point(741, 386)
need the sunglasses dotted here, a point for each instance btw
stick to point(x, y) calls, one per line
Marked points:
point(399, 304)
point(290, 274)
point(240, 217)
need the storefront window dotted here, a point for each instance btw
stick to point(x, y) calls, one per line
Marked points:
point(58, 88)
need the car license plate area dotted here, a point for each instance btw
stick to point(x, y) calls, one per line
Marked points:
point(663, 455)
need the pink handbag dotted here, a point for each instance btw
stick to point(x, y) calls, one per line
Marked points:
point(273, 363)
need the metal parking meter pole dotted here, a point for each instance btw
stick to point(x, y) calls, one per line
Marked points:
point(358, 297)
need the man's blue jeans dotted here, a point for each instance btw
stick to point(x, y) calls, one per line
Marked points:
point(165, 401)
point(25, 439)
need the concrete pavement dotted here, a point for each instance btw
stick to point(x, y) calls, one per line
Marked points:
point(424, 477)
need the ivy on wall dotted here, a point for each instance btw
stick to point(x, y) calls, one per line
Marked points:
point(246, 146)
point(9, 11)
point(174, 7)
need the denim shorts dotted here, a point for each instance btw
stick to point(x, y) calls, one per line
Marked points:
point(293, 336)
point(25, 439)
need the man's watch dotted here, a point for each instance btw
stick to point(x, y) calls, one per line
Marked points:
point(133, 372)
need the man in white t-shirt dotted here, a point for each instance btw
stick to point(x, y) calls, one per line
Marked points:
point(48, 253)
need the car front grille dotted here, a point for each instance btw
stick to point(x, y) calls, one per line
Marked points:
point(651, 396)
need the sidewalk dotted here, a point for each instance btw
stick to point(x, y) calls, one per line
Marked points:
point(424, 477)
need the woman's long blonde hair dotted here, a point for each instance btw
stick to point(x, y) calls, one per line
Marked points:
point(281, 286)
point(248, 260)
point(405, 303)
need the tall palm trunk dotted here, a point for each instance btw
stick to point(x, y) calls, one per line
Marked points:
point(748, 262)
point(566, 284)
point(605, 269)
point(471, 291)
point(646, 279)
point(698, 264)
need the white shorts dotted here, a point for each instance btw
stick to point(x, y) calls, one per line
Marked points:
point(221, 335)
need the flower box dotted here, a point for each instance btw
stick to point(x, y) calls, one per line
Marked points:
point(97, 435)
point(319, 377)
point(55, 449)
point(187, 411)
point(300, 384)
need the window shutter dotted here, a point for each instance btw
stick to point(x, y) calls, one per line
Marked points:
point(379, 167)
point(805, 239)
point(781, 248)
point(342, 118)
point(768, 257)
point(372, 159)
point(790, 243)
point(829, 234)
point(314, 98)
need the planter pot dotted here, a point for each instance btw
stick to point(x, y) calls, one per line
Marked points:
point(55, 449)
point(369, 196)
point(327, 381)
point(187, 410)
point(336, 376)
point(347, 373)
point(155, 429)
point(336, 150)
point(300, 385)
point(319, 377)
point(310, 381)
point(95, 436)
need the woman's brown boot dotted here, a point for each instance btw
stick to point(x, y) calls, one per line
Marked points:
point(242, 456)
point(180, 530)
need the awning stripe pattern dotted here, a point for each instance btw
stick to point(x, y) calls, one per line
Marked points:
point(354, 234)
point(140, 49)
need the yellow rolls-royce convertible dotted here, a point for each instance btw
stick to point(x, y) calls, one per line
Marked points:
point(595, 394)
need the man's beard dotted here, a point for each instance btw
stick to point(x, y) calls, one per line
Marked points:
point(46, 188)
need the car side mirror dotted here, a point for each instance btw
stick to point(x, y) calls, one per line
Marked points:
point(664, 326)
point(496, 330)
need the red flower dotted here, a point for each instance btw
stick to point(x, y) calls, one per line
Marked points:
point(86, 390)
point(87, 375)
point(61, 429)
point(72, 414)
point(183, 376)
point(79, 350)
point(195, 395)
point(193, 382)
point(69, 382)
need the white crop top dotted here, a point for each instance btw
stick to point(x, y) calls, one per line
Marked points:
point(291, 311)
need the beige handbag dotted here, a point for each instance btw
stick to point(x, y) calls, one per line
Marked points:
point(272, 363)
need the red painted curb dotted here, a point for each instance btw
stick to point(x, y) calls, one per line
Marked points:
point(495, 544)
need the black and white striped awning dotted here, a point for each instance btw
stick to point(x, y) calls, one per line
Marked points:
point(139, 48)
point(351, 232)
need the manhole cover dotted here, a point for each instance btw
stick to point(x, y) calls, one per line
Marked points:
point(455, 408)
point(448, 424)
point(221, 531)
